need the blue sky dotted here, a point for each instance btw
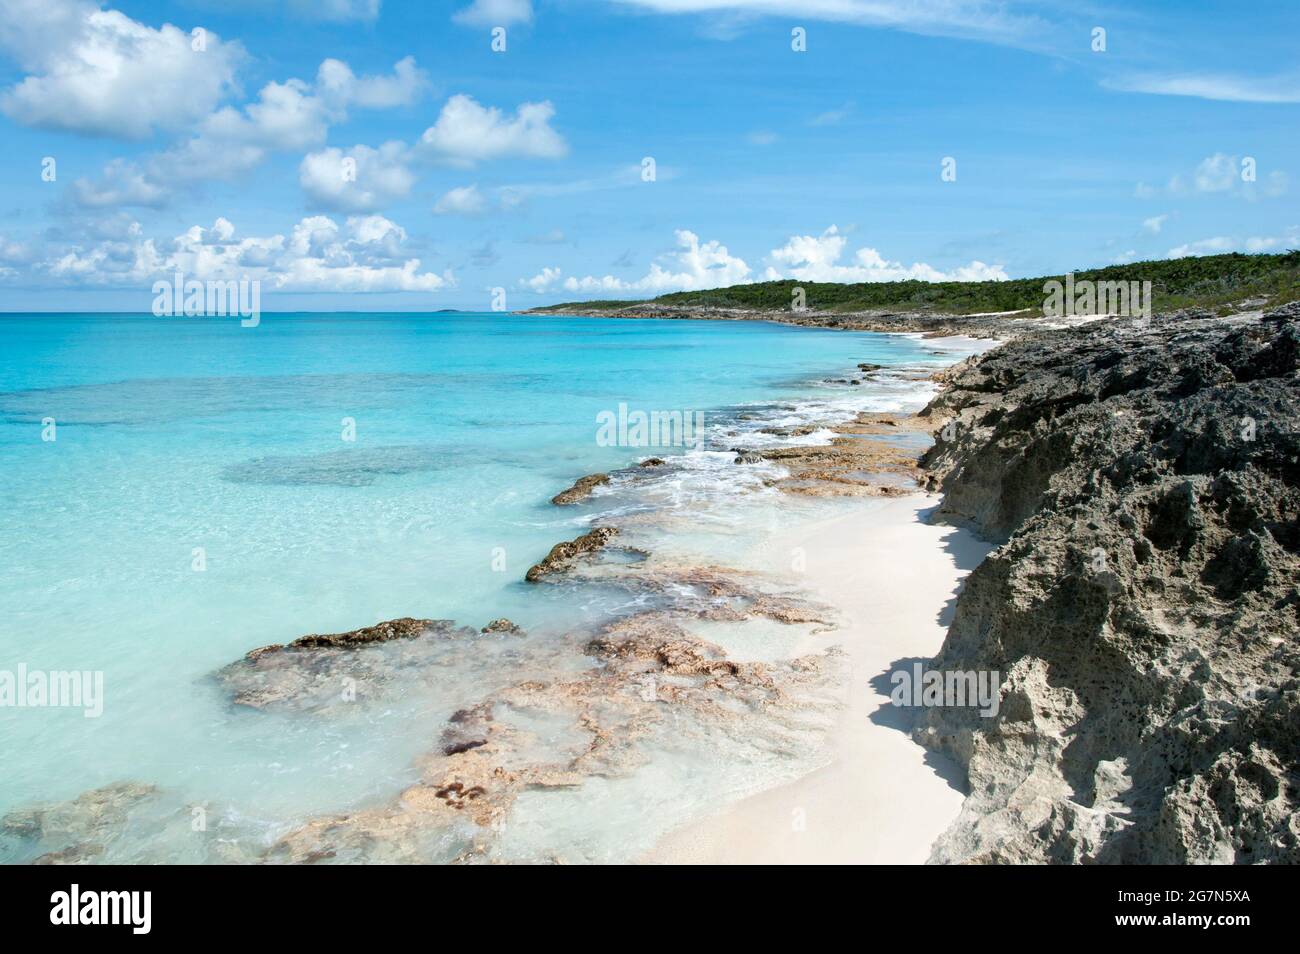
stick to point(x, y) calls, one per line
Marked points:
point(378, 154)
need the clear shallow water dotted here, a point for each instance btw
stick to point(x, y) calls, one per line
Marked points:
point(175, 434)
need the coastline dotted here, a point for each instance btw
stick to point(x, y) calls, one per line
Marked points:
point(883, 799)
point(1138, 483)
point(737, 650)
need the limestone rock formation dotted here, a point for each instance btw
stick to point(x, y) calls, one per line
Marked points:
point(1143, 609)
point(580, 490)
point(562, 554)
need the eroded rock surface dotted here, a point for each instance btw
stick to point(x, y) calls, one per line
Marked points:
point(320, 671)
point(580, 490)
point(1143, 610)
point(563, 554)
point(651, 684)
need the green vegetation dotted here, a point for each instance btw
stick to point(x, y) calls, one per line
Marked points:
point(1214, 282)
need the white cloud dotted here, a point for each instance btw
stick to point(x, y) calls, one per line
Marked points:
point(364, 254)
point(122, 183)
point(817, 259)
point(762, 137)
point(100, 72)
point(337, 84)
point(466, 200)
point(804, 257)
point(543, 281)
point(1217, 86)
point(976, 19)
point(1253, 244)
point(492, 13)
point(466, 132)
point(1155, 223)
point(693, 265)
point(1225, 174)
point(361, 179)
point(290, 116)
point(1209, 246)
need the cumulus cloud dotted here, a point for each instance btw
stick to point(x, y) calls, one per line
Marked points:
point(812, 258)
point(360, 179)
point(288, 116)
point(338, 85)
point(492, 13)
point(692, 265)
point(466, 132)
point(364, 254)
point(122, 183)
point(816, 258)
point(100, 72)
point(1155, 223)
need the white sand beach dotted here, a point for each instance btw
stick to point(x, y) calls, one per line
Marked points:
point(883, 799)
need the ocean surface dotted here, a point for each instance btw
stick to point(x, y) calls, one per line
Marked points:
point(212, 488)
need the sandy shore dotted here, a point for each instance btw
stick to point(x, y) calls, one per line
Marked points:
point(883, 799)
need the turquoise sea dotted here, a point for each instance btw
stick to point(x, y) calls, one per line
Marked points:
point(201, 497)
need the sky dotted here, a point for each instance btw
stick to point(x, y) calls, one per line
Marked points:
point(381, 155)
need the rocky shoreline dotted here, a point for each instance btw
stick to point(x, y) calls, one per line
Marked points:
point(1143, 478)
point(931, 325)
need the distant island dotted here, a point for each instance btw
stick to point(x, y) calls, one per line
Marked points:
point(1219, 284)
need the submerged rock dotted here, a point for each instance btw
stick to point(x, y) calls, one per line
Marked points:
point(1143, 609)
point(78, 830)
point(318, 672)
point(404, 628)
point(651, 684)
point(581, 489)
point(503, 626)
point(562, 554)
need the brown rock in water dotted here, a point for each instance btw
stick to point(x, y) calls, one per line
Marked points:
point(404, 628)
point(503, 625)
point(581, 490)
point(562, 553)
point(652, 462)
point(306, 672)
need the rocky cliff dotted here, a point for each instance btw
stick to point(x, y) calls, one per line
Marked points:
point(1143, 608)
